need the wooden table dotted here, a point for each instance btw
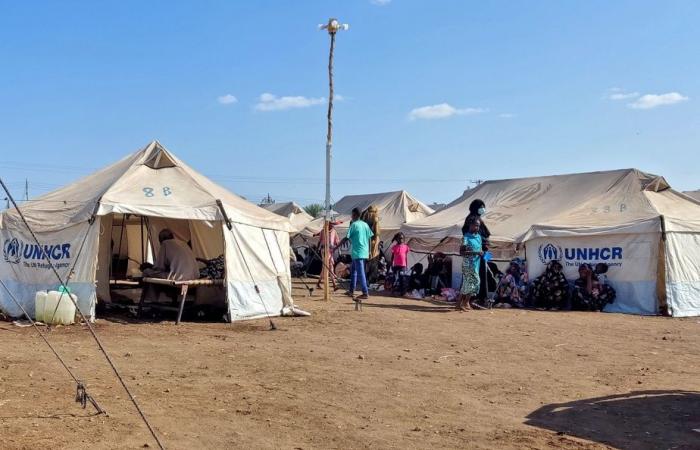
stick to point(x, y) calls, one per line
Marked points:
point(184, 285)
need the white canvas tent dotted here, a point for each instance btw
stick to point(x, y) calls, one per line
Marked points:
point(395, 209)
point(295, 213)
point(75, 226)
point(645, 231)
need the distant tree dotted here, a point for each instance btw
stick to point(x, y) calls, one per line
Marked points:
point(314, 209)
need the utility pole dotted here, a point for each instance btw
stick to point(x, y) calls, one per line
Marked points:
point(333, 26)
point(26, 189)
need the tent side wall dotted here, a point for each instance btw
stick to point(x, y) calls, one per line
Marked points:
point(256, 256)
point(24, 270)
point(683, 274)
point(632, 260)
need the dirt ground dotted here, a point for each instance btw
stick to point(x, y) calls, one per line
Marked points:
point(400, 374)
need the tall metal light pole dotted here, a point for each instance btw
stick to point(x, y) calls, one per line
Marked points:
point(333, 26)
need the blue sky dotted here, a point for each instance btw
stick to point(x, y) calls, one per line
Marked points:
point(434, 93)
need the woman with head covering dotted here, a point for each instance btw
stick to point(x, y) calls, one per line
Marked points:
point(589, 293)
point(477, 209)
point(371, 217)
point(550, 290)
point(512, 289)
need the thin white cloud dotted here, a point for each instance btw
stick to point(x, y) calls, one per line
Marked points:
point(380, 2)
point(441, 111)
point(271, 102)
point(620, 94)
point(506, 115)
point(227, 99)
point(650, 101)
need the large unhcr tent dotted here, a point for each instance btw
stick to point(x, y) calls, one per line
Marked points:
point(646, 232)
point(89, 224)
point(394, 208)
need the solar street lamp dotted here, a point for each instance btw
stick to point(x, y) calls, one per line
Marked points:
point(333, 26)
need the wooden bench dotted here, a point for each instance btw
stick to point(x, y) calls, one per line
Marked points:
point(184, 286)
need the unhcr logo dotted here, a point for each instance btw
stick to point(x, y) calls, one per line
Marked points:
point(12, 251)
point(549, 252)
point(573, 256)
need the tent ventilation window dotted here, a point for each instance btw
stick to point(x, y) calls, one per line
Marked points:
point(658, 184)
point(160, 159)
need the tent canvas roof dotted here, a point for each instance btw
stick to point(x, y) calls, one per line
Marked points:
point(150, 182)
point(395, 209)
point(694, 194)
point(589, 201)
point(291, 211)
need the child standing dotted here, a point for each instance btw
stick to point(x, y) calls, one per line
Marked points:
point(399, 260)
point(471, 252)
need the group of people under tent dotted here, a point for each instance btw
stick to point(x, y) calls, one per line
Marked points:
point(483, 284)
point(551, 290)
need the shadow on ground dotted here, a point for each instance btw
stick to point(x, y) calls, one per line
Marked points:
point(637, 420)
point(410, 307)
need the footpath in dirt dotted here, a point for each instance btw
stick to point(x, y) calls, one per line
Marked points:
point(400, 374)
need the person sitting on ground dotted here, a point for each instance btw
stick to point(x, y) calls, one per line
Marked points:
point(589, 293)
point(359, 235)
point(175, 260)
point(416, 280)
point(399, 261)
point(550, 290)
point(342, 268)
point(438, 272)
point(512, 289)
point(382, 265)
point(471, 257)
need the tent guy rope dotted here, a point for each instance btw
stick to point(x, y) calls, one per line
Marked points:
point(82, 396)
point(82, 316)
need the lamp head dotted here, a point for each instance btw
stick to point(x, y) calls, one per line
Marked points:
point(333, 26)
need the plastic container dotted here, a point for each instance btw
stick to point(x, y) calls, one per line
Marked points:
point(40, 305)
point(64, 308)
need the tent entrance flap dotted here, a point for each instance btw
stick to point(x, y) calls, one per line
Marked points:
point(127, 241)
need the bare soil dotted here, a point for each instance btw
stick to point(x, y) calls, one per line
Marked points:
point(399, 374)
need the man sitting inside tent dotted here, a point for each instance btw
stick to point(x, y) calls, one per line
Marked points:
point(175, 260)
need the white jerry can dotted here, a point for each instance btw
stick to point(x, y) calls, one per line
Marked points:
point(40, 305)
point(60, 302)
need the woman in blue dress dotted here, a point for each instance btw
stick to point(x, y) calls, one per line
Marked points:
point(471, 252)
